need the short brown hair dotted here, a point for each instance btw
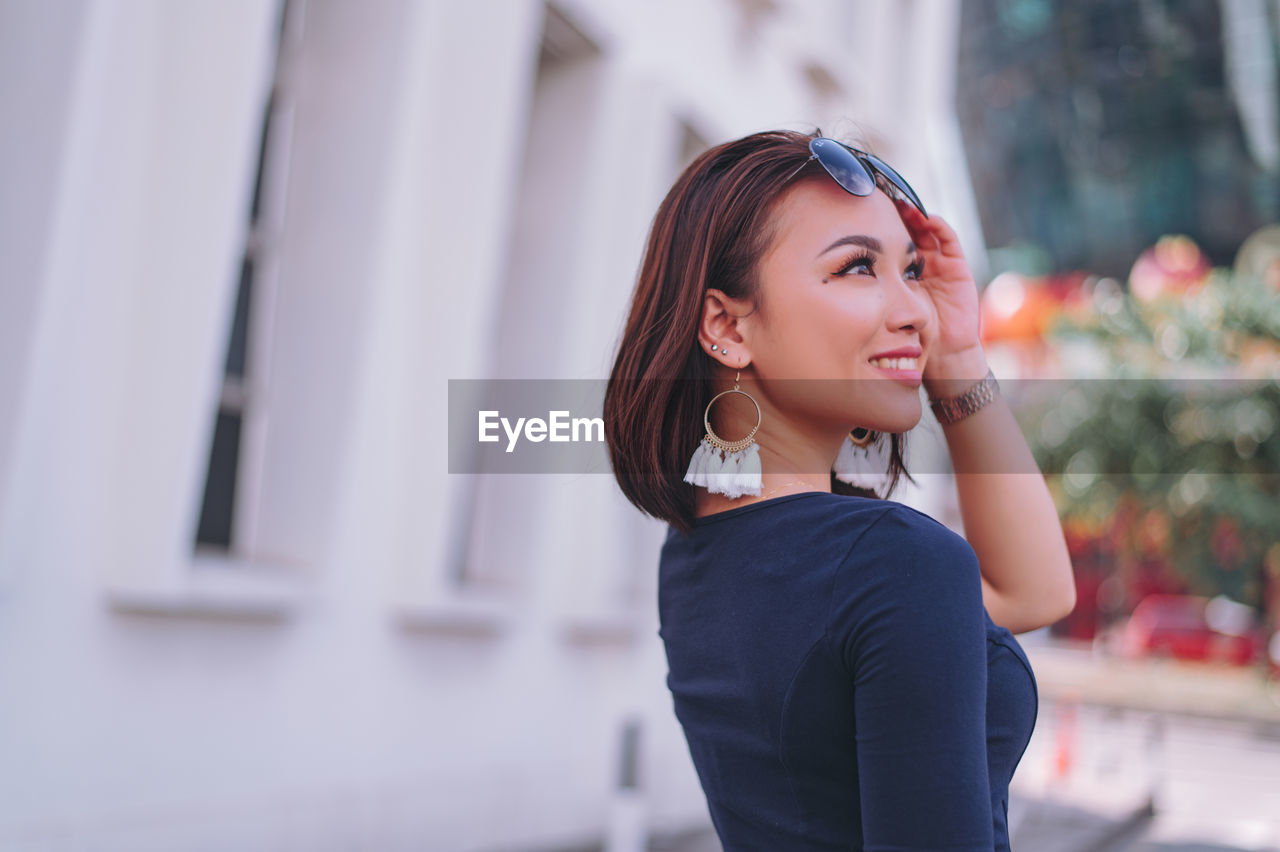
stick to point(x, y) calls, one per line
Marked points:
point(711, 231)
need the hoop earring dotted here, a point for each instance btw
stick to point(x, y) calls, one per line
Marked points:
point(854, 464)
point(725, 467)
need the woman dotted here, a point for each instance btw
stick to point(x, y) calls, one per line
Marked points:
point(843, 666)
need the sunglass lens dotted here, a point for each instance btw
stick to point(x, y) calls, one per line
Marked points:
point(842, 165)
point(896, 179)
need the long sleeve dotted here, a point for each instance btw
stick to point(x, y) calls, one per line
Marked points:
point(907, 621)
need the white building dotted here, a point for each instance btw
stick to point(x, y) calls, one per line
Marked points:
point(363, 651)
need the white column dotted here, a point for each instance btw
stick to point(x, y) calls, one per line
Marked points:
point(435, 278)
point(148, 206)
point(629, 164)
point(937, 24)
point(347, 87)
point(40, 45)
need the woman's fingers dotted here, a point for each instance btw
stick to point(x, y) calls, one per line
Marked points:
point(948, 242)
point(944, 236)
point(917, 225)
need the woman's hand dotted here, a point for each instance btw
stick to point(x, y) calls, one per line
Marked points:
point(956, 350)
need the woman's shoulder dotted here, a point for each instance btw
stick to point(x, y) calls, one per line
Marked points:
point(906, 572)
point(809, 518)
point(843, 530)
point(867, 520)
point(817, 515)
point(907, 545)
point(898, 520)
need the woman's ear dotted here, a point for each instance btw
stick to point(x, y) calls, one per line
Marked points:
point(726, 326)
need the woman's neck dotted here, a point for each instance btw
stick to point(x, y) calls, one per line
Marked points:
point(773, 485)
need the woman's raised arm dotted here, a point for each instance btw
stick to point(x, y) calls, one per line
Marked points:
point(1009, 516)
point(1008, 513)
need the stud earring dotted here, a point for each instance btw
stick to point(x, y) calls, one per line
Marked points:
point(725, 467)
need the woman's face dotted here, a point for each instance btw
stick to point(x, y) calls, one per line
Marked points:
point(840, 288)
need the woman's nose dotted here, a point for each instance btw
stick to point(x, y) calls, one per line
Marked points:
point(911, 309)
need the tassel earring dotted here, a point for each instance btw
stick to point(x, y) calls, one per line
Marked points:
point(855, 464)
point(725, 467)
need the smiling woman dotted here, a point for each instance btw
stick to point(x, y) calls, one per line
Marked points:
point(707, 252)
point(840, 291)
point(841, 664)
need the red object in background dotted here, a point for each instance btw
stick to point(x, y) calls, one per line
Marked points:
point(1014, 308)
point(1175, 626)
point(1019, 309)
point(1082, 623)
point(1174, 265)
point(1066, 730)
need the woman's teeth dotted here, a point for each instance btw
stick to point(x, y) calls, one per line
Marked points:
point(895, 363)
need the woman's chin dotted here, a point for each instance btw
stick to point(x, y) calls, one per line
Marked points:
point(895, 419)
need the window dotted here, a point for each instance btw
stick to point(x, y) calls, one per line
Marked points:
point(226, 512)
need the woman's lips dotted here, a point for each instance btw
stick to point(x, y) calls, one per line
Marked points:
point(902, 369)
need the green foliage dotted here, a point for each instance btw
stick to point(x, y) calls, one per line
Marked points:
point(1182, 425)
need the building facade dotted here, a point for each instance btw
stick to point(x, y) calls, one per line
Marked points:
point(243, 603)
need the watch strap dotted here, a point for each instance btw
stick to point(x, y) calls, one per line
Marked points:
point(956, 408)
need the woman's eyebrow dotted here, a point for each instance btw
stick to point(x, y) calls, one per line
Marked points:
point(863, 240)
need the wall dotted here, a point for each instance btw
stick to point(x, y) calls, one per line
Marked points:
point(391, 656)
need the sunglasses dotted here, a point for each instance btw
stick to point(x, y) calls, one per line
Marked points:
point(852, 169)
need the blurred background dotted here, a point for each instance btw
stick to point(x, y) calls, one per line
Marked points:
point(246, 246)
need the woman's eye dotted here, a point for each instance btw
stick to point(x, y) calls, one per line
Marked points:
point(858, 264)
point(866, 265)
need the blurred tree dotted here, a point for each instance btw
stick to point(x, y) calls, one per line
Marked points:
point(1173, 459)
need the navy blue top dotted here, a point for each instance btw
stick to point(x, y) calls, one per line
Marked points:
point(838, 679)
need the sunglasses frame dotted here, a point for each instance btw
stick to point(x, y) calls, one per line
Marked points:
point(866, 165)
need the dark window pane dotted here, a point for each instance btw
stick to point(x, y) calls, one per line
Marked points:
point(237, 348)
point(220, 484)
point(256, 207)
point(282, 21)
